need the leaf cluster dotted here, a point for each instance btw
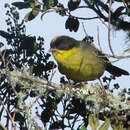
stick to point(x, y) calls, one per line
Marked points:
point(22, 50)
point(103, 10)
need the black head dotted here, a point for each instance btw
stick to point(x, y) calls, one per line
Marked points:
point(64, 43)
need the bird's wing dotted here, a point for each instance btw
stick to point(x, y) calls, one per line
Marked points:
point(114, 70)
point(91, 46)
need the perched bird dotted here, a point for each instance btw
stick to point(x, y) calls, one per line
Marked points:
point(81, 61)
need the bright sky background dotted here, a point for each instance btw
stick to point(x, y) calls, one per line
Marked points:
point(54, 24)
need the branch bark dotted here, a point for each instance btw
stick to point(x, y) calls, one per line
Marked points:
point(87, 92)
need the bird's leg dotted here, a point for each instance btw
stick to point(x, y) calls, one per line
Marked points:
point(102, 88)
point(70, 83)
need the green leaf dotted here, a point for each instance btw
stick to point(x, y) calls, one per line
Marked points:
point(72, 24)
point(119, 127)
point(118, 12)
point(34, 46)
point(73, 4)
point(6, 35)
point(21, 5)
point(31, 69)
point(29, 45)
point(93, 122)
point(128, 11)
point(83, 127)
point(34, 3)
point(18, 116)
point(120, 9)
point(1, 44)
point(26, 4)
point(32, 14)
point(105, 125)
point(58, 125)
point(118, 0)
point(50, 3)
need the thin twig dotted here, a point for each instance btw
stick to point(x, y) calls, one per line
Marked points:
point(83, 18)
point(98, 38)
point(117, 57)
point(3, 58)
point(85, 30)
point(11, 118)
point(53, 73)
point(109, 28)
point(114, 61)
point(3, 127)
point(52, 9)
point(102, 22)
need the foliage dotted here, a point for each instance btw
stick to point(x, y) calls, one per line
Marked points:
point(23, 50)
point(27, 50)
point(102, 9)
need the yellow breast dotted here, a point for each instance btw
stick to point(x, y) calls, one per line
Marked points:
point(78, 65)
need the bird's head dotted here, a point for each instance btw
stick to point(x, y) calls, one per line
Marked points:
point(63, 43)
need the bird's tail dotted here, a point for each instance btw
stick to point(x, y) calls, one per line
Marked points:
point(116, 71)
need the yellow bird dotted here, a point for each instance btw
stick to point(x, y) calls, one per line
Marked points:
point(81, 61)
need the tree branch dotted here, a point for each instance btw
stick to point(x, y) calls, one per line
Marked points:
point(88, 92)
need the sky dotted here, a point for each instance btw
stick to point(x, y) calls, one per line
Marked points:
point(53, 24)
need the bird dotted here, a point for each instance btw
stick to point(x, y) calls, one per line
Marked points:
point(81, 61)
